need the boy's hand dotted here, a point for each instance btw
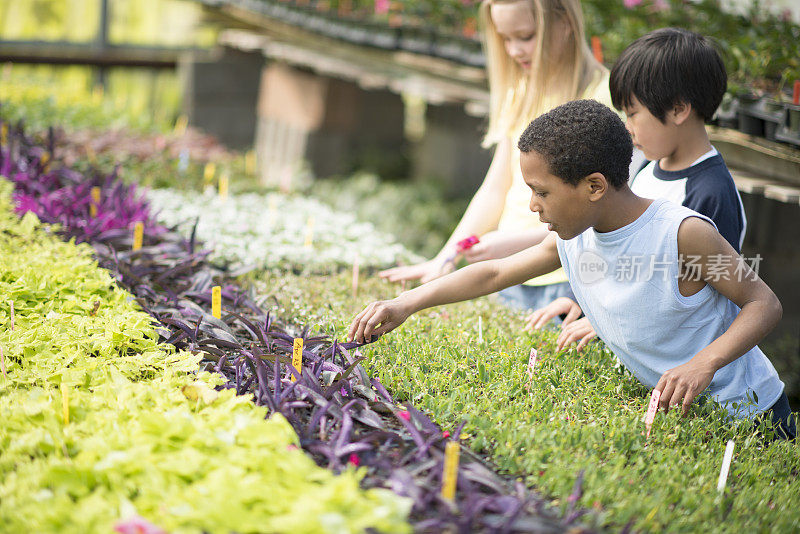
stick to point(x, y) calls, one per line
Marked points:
point(560, 306)
point(377, 318)
point(685, 382)
point(580, 332)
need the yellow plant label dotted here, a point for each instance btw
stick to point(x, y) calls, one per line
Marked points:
point(223, 186)
point(45, 161)
point(180, 125)
point(209, 171)
point(95, 193)
point(272, 207)
point(216, 302)
point(250, 162)
point(3, 134)
point(297, 356)
point(309, 233)
point(138, 235)
point(450, 475)
point(65, 403)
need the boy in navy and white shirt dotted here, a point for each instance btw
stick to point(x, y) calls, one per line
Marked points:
point(705, 187)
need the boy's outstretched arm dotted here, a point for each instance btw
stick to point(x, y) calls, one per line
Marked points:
point(722, 268)
point(470, 282)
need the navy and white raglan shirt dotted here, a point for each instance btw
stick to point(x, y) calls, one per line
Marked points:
point(706, 187)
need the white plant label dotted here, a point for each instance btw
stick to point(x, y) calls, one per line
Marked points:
point(726, 466)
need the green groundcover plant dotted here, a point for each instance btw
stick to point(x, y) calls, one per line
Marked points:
point(101, 425)
point(582, 413)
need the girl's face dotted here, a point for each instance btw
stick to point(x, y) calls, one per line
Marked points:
point(515, 24)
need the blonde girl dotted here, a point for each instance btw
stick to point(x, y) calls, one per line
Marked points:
point(537, 59)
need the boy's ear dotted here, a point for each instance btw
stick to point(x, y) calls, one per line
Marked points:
point(597, 185)
point(680, 112)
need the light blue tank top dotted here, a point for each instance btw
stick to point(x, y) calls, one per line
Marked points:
point(626, 281)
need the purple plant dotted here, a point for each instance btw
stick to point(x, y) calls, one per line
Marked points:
point(341, 415)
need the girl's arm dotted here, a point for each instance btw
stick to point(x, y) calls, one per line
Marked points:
point(722, 268)
point(468, 283)
point(482, 215)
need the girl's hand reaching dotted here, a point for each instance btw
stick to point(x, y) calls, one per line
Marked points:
point(378, 318)
point(424, 272)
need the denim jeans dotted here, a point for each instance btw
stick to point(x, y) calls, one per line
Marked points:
point(783, 422)
point(535, 297)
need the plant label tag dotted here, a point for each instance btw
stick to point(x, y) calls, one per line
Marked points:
point(726, 465)
point(4, 134)
point(138, 235)
point(208, 173)
point(309, 233)
point(45, 161)
point(65, 403)
point(355, 276)
point(95, 195)
point(796, 93)
point(180, 125)
point(297, 356)
point(223, 186)
point(531, 366)
point(250, 162)
point(12, 315)
point(450, 475)
point(216, 302)
point(652, 408)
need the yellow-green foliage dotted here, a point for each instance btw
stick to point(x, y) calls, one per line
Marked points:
point(131, 442)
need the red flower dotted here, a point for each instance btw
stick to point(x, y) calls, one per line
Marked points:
point(466, 244)
point(404, 415)
point(354, 460)
point(446, 434)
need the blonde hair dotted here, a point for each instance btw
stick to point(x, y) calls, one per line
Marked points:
point(517, 97)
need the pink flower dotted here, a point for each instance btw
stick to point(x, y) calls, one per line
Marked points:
point(138, 525)
point(660, 5)
point(446, 434)
point(630, 4)
point(466, 244)
point(381, 7)
point(354, 460)
point(404, 415)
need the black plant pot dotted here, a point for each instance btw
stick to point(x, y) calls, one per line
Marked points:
point(789, 131)
point(417, 40)
point(750, 124)
point(382, 36)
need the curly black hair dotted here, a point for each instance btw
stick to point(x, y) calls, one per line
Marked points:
point(579, 138)
point(666, 67)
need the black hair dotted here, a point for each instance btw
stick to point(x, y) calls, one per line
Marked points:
point(579, 138)
point(666, 67)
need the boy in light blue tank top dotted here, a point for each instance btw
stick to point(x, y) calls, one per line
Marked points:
point(666, 292)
